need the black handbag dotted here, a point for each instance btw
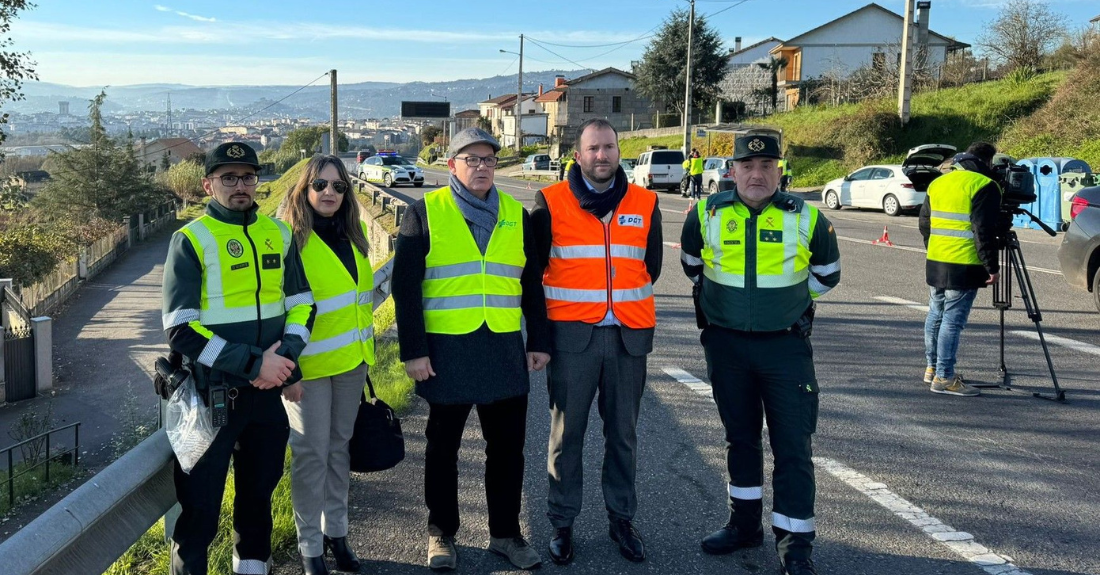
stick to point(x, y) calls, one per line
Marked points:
point(377, 443)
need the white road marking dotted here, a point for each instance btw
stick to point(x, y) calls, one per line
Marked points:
point(681, 212)
point(897, 300)
point(693, 383)
point(673, 244)
point(960, 542)
point(923, 251)
point(1062, 341)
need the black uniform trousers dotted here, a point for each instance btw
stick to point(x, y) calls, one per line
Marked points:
point(771, 374)
point(504, 426)
point(255, 438)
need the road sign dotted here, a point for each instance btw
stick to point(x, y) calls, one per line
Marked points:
point(700, 133)
point(425, 109)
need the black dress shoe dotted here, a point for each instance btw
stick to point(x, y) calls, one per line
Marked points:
point(799, 567)
point(630, 542)
point(729, 539)
point(342, 553)
point(561, 546)
point(314, 565)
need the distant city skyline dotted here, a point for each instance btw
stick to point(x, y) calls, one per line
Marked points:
point(203, 42)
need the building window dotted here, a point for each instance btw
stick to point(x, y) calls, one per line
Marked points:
point(616, 104)
point(588, 103)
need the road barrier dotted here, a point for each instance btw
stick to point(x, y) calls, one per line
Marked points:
point(94, 525)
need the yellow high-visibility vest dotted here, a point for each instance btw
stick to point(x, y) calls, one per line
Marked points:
point(950, 197)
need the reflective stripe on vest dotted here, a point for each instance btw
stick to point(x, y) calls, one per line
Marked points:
point(463, 289)
point(584, 279)
point(951, 237)
point(343, 330)
point(236, 265)
point(779, 262)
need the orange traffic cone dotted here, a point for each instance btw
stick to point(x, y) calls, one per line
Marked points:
point(528, 185)
point(885, 239)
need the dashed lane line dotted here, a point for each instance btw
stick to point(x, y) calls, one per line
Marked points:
point(897, 300)
point(960, 542)
point(1059, 340)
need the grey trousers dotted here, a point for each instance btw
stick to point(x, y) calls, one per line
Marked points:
point(574, 380)
point(320, 428)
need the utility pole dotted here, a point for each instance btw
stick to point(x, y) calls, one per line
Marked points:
point(687, 84)
point(519, 100)
point(333, 148)
point(905, 87)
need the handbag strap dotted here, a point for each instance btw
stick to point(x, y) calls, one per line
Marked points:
point(370, 386)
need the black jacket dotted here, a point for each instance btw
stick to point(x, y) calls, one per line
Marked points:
point(985, 215)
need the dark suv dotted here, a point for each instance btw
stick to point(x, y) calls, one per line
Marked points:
point(1079, 254)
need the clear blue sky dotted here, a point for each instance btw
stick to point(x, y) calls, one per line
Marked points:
point(208, 42)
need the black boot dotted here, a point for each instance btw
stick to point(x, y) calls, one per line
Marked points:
point(630, 542)
point(314, 565)
point(733, 536)
point(799, 567)
point(342, 553)
point(561, 546)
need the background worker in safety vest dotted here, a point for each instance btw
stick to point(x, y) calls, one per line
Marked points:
point(324, 218)
point(785, 175)
point(695, 168)
point(959, 222)
point(465, 271)
point(760, 257)
point(600, 237)
point(238, 307)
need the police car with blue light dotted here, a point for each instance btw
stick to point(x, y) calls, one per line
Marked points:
point(390, 169)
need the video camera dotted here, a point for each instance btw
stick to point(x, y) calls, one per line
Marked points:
point(1017, 184)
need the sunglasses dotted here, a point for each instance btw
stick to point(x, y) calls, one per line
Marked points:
point(338, 186)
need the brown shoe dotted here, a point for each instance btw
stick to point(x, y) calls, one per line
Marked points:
point(954, 386)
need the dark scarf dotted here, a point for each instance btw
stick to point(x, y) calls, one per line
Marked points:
point(598, 204)
point(482, 215)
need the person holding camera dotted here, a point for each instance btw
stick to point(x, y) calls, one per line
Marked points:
point(238, 308)
point(324, 217)
point(959, 222)
point(759, 258)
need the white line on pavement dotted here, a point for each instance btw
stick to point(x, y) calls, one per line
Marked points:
point(922, 251)
point(673, 244)
point(960, 542)
point(904, 302)
point(693, 383)
point(1062, 341)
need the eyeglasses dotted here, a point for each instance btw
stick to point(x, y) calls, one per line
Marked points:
point(338, 186)
point(475, 161)
point(230, 180)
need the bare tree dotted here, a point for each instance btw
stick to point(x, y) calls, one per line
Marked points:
point(1023, 33)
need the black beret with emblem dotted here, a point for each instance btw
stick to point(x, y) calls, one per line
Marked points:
point(231, 153)
point(754, 146)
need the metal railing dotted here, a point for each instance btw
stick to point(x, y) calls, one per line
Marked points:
point(94, 525)
point(32, 444)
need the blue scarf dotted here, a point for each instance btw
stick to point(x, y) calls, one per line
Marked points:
point(481, 214)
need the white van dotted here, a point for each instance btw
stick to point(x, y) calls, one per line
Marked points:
point(660, 170)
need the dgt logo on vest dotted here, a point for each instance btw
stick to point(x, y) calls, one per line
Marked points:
point(506, 224)
point(631, 220)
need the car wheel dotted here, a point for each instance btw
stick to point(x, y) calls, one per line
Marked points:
point(831, 201)
point(1096, 289)
point(387, 180)
point(362, 176)
point(890, 205)
point(712, 188)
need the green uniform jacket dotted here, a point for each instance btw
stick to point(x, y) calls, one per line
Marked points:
point(752, 308)
point(238, 361)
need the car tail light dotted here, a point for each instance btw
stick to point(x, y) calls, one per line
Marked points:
point(728, 174)
point(1077, 206)
point(907, 186)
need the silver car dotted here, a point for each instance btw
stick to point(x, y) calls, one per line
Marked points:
point(1079, 254)
point(717, 176)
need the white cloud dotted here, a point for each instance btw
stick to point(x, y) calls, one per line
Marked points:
point(160, 8)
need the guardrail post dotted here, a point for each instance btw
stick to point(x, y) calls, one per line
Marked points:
point(385, 202)
point(398, 213)
point(42, 332)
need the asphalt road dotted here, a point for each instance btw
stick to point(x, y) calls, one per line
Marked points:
point(1011, 477)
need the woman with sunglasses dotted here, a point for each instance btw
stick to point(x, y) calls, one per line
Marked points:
point(324, 218)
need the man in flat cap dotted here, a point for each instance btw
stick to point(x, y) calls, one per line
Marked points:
point(465, 272)
point(759, 257)
point(238, 308)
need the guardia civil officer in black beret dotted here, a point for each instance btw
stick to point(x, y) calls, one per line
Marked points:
point(759, 257)
point(238, 307)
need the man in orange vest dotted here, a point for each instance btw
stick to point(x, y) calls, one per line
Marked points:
point(599, 238)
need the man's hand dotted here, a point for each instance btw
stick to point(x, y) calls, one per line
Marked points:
point(992, 279)
point(274, 369)
point(293, 393)
point(536, 360)
point(419, 368)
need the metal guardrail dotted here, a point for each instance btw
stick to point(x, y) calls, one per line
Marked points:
point(94, 525)
point(380, 196)
point(42, 439)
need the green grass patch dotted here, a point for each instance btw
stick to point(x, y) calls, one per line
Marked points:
point(269, 195)
point(29, 483)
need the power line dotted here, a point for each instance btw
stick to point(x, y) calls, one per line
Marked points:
point(559, 55)
point(584, 45)
point(724, 9)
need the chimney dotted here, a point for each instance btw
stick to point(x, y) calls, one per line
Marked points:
point(923, 9)
point(540, 90)
point(737, 44)
point(559, 81)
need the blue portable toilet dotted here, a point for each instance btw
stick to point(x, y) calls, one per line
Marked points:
point(1021, 220)
point(1072, 165)
point(1049, 191)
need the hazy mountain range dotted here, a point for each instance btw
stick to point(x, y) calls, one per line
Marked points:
point(356, 101)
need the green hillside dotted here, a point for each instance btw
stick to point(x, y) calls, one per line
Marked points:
point(271, 194)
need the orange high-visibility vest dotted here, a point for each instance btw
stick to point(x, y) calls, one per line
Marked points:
point(594, 266)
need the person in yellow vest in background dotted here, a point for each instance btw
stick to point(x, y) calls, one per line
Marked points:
point(568, 165)
point(959, 221)
point(696, 170)
point(785, 175)
point(465, 272)
point(324, 218)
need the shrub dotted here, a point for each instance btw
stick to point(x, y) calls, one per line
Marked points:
point(29, 253)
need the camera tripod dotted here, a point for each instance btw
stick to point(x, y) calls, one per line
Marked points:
point(1013, 265)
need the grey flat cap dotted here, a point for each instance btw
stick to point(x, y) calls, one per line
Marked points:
point(471, 136)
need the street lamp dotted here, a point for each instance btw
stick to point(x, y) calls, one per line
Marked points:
point(519, 94)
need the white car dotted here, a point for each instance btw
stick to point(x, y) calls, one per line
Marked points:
point(882, 187)
point(390, 169)
point(660, 170)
